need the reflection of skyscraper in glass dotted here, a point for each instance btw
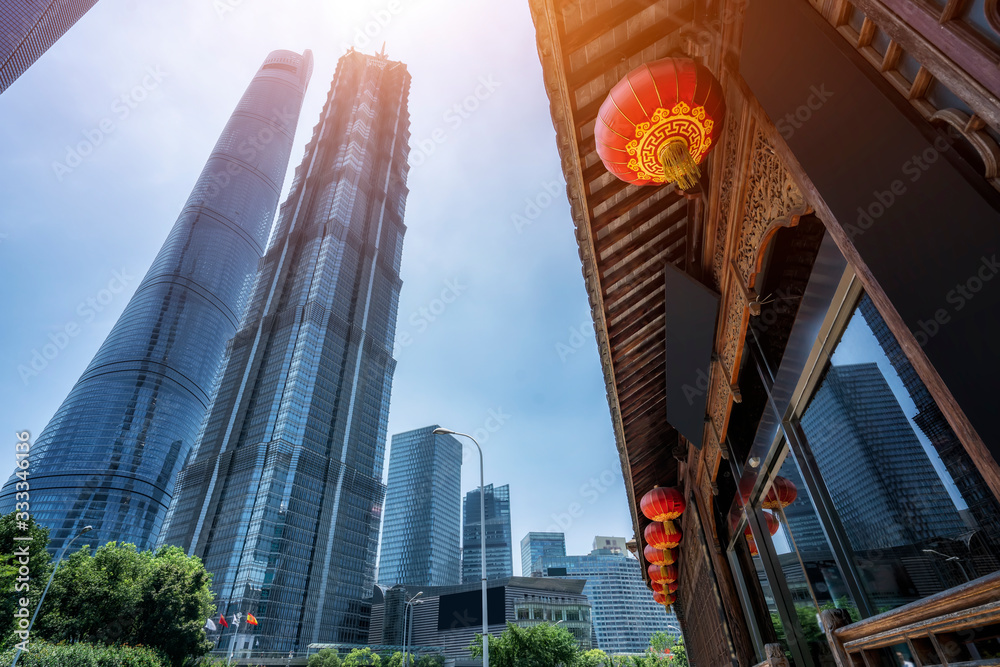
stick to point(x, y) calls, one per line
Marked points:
point(983, 506)
point(499, 545)
point(423, 501)
point(884, 487)
point(282, 496)
point(535, 546)
point(111, 453)
point(29, 27)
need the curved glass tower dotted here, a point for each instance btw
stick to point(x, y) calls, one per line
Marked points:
point(111, 453)
point(29, 27)
point(283, 494)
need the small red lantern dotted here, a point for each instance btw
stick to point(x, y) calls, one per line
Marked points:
point(781, 494)
point(660, 598)
point(662, 504)
point(669, 599)
point(656, 573)
point(658, 123)
point(772, 528)
point(669, 573)
point(671, 587)
point(658, 586)
point(662, 535)
point(659, 556)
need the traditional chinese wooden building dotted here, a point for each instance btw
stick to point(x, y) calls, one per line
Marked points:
point(804, 342)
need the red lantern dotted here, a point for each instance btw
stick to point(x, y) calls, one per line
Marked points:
point(669, 599)
point(662, 535)
point(669, 573)
point(659, 556)
point(781, 494)
point(658, 123)
point(671, 587)
point(660, 598)
point(658, 586)
point(772, 528)
point(662, 504)
point(656, 573)
point(752, 544)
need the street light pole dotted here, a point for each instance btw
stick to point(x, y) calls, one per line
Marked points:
point(408, 604)
point(85, 529)
point(482, 533)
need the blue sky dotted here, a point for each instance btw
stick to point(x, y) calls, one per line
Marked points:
point(493, 316)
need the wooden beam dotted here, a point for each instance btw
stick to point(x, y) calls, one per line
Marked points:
point(606, 193)
point(602, 23)
point(642, 218)
point(616, 210)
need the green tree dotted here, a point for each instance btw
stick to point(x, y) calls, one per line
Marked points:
point(542, 645)
point(593, 658)
point(44, 654)
point(362, 656)
point(13, 583)
point(120, 595)
point(660, 642)
point(395, 660)
point(430, 661)
point(324, 658)
point(678, 654)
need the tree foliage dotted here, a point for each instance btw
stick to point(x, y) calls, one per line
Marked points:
point(13, 581)
point(592, 658)
point(324, 658)
point(362, 656)
point(120, 595)
point(44, 654)
point(542, 645)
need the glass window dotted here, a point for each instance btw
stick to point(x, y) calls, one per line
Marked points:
point(917, 515)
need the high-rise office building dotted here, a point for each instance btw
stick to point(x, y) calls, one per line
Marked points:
point(499, 545)
point(29, 27)
point(857, 429)
point(536, 545)
point(111, 453)
point(623, 612)
point(423, 511)
point(282, 495)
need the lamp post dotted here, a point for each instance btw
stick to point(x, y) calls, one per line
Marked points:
point(408, 604)
point(85, 529)
point(948, 559)
point(482, 533)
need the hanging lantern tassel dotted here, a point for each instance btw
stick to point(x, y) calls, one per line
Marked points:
point(678, 165)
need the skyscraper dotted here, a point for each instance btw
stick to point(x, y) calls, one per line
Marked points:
point(423, 511)
point(857, 431)
point(29, 27)
point(535, 546)
point(282, 495)
point(499, 558)
point(623, 611)
point(111, 453)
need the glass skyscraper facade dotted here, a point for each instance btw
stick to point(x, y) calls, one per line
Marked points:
point(282, 495)
point(420, 531)
point(499, 545)
point(29, 27)
point(624, 614)
point(536, 545)
point(111, 453)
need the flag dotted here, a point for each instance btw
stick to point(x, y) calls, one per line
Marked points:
point(210, 625)
point(251, 620)
point(222, 621)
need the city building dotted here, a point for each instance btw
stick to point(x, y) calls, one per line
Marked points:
point(535, 546)
point(452, 616)
point(623, 613)
point(29, 27)
point(612, 544)
point(110, 455)
point(282, 496)
point(845, 219)
point(423, 511)
point(499, 544)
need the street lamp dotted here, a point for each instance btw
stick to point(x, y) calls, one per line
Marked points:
point(85, 529)
point(956, 559)
point(409, 604)
point(482, 533)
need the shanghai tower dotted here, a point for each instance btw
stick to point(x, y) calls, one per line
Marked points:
point(110, 455)
point(282, 495)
